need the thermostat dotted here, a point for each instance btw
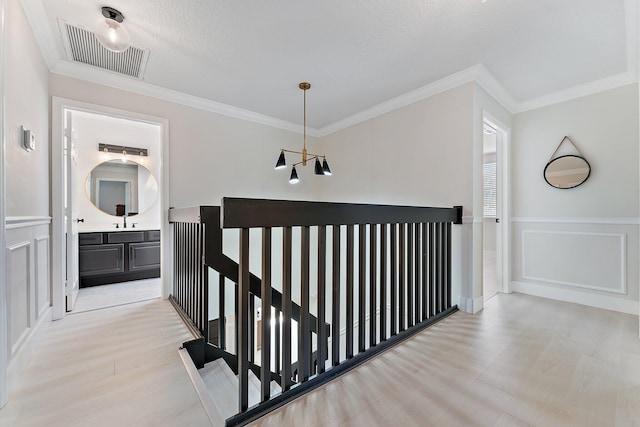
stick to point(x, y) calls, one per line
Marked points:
point(28, 139)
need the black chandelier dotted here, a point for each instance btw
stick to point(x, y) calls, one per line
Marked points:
point(320, 168)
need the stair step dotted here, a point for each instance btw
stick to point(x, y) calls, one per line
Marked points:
point(222, 385)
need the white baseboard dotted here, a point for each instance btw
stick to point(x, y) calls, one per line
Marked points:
point(22, 357)
point(470, 305)
point(579, 297)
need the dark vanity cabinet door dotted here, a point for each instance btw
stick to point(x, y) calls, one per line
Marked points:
point(143, 256)
point(119, 256)
point(101, 259)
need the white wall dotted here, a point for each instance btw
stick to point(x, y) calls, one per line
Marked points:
point(420, 155)
point(579, 244)
point(89, 130)
point(211, 155)
point(27, 235)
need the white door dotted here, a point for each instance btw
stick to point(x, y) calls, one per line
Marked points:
point(72, 284)
point(491, 250)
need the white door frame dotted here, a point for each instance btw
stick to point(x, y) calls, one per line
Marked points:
point(503, 145)
point(4, 388)
point(58, 106)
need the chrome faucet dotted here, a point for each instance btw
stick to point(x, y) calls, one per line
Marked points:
point(124, 219)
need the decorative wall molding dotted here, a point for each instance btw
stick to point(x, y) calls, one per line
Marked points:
point(478, 73)
point(607, 302)
point(607, 83)
point(582, 220)
point(622, 289)
point(41, 282)
point(21, 359)
point(22, 249)
point(42, 31)
point(13, 222)
point(472, 220)
point(450, 82)
point(106, 78)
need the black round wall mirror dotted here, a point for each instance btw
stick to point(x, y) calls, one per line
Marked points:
point(567, 171)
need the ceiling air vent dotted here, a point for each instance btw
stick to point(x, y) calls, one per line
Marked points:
point(83, 46)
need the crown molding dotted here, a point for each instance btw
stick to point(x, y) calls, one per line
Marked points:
point(34, 11)
point(493, 87)
point(578, 91)
point(454, 80)
point(107, 78)
point(632, 22)
point(477, 73)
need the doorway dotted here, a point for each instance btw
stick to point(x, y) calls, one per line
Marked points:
point(490, 218)
point(495, 242)
point(113, 242)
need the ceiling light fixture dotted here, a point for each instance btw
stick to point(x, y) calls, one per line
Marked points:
point(110, 32)
point(319, 169)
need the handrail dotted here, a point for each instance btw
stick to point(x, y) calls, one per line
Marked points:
point(217, 260)
point(396, 280)
point(250, 213)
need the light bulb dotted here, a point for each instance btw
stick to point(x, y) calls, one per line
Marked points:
point(110, 31)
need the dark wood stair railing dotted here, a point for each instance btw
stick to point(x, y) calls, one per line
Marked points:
point(198, 241)
point(405, 250)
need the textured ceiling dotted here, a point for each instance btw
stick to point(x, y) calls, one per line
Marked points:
point(252, 54)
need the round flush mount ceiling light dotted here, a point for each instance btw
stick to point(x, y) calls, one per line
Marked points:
point(110, 31)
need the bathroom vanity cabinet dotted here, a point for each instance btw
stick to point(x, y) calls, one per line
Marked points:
point(118, 256)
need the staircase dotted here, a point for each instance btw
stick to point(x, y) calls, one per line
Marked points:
point(222, 385)
point(380, 273)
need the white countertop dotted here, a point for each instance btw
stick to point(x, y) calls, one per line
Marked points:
point(111, 229)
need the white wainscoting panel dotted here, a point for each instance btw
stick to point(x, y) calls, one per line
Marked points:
point(42, 273)
point(28, 278)
point(588, 260)
point(18, 269)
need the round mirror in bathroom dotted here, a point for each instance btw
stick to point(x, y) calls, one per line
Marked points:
point(121, 188)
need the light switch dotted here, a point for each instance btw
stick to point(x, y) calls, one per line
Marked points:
point(28, 139)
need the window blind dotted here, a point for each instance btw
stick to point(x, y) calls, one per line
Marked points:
point(489, 193)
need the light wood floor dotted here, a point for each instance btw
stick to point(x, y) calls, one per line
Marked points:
point(113, 367)
point(522, 361)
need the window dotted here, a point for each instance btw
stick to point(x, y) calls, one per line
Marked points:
point(489, 190)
